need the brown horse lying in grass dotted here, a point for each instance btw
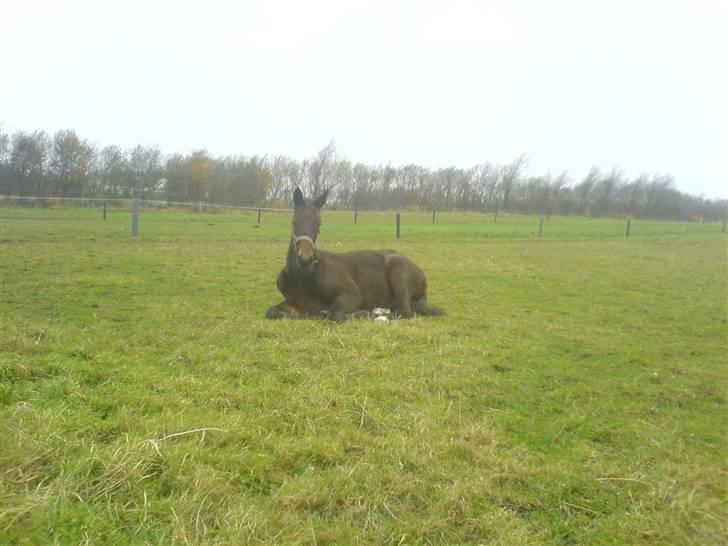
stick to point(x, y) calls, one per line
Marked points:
point(320, 284)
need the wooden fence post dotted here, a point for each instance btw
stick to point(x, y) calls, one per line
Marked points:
point(433, 216)
point(259, 216)
point(356, 213)
point(104, 210)
point(629, 222)
point(135, 217)
point(397, 224)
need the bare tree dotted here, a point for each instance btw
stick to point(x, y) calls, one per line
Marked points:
point(484, 185)
point(444, 188)
point(363, 186)
point(556, 191)
point(111, 171)
point(70, 163)
point(510, 177)
point(4, 146)
point(321, 169)
point(146, 169)
point(663, 200)
point(4, 160)
point(29, 163)
point(634, 194)
point(605, 191)
point(286, 174)
point(584, 190)
point(342, 182)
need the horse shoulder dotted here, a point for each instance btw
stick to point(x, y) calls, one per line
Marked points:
point(286, 282)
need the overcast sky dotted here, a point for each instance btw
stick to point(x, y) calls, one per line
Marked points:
point(636, 84)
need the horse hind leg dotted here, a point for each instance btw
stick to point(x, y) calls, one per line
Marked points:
point(401, 292)
point(280, 311)
point(408, 285)
point(420, 304)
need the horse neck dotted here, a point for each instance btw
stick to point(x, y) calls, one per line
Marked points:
point(291, 257)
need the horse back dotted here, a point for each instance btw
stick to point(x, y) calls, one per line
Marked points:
point(376, 273)
point(367, 270)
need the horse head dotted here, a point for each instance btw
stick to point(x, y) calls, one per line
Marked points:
point(306, 225)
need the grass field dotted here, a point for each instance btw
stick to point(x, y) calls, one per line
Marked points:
point(575, 393)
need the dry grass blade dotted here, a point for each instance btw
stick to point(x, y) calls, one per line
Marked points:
point(186, 432)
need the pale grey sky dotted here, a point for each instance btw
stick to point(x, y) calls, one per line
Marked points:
point(636, 84)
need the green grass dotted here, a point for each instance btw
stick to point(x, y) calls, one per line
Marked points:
point(575, 393)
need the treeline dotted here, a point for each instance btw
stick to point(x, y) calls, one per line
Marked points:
point(65, 165)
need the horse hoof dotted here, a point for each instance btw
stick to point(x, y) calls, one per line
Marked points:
point(337, 316)
point(274, 313)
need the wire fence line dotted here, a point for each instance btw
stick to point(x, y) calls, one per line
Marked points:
point(134, 206)
point(17, 200)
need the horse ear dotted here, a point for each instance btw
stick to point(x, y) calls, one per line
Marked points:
point(320, 201)
point(297, 197)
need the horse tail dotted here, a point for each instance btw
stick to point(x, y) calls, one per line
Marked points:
point(421, 308)
point(431, 311)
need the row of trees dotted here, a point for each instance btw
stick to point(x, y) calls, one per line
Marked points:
point(65, 165)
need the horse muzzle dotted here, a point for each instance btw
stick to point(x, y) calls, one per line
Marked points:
point(306, 255)
point(306, 261)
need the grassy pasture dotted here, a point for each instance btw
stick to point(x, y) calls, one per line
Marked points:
point(575, 393)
